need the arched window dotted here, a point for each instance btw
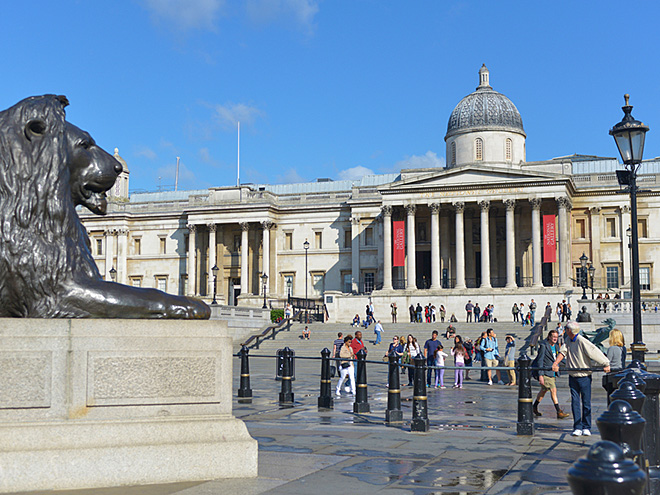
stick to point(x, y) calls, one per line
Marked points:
point(453, 153)
point(478, 149)
point(507, 151)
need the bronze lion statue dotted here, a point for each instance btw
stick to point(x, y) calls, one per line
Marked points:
point(47, 167)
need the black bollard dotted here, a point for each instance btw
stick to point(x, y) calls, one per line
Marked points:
point(628, 392)
point(393, 413)
point(525, 424)
point(605, 470)
point(624, 426)
point(420, 417)
point(286, 395)
point(325, 398)
point(244, 391)
point(611, 380)
point(361, 404)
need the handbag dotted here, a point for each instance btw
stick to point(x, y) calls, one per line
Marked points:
point(345, 365)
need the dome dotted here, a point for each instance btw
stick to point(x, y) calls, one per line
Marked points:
point(485, 109)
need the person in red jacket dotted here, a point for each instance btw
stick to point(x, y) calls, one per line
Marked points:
point(357, 343)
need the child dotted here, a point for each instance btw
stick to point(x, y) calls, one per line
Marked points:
point(439, 357)
point(459, 361)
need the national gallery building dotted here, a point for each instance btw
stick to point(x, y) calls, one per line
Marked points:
point(490, 227)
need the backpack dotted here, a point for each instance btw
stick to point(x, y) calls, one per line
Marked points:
point(538, 362)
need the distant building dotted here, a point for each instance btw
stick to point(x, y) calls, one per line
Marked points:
point(476, 227)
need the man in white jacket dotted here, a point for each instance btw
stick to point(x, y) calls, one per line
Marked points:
point(580, 353)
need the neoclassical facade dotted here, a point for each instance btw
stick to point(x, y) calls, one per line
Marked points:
point(472, 229)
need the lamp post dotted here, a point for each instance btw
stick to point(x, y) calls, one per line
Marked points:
point(592, 271)
point(113, 274)
point(584, 283)
point(306, 246)
point(215, 271)
point(289, 285)
point(629, 135)
point(264, 281)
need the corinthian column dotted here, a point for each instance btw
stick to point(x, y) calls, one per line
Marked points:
point(565, 206)
point(387, 247)
point(536, 242)
point(510, 205)
point(459, 207)
point(245, 227)
point(411, 280)
point(485, 244)
point(265, 255)
point(122, 251)
point(212, 261)
point(435, 245)
point(355, 254)
point(192, 259)
point(109, 253)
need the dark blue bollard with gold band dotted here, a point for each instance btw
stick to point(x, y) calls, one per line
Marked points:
point(525, 424)
point(394, 414)
point(244, 391)
point(361, 404)
point(325, 397)
point(286, 395)
point(420, 419)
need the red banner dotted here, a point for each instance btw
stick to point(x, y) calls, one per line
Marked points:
point(399, 244)
point(549, 239)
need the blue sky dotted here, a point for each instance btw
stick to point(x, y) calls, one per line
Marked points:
point(326, 88)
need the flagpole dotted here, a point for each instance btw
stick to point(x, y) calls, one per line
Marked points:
point(238, 162)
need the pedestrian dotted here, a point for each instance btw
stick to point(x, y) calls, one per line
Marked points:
point(356, 320)
point(548, 350)
point(548, 311)
point(469, 307)
point(491, 354)
point(532, 311)
point(411, 310)
point(479, 351)
point(394, 311)
point(439, 361)
point(395, 349)
point(559, 312)
point(616, 352)
point(477, 312)
point(346, 369)
point(378, 330)
point(288, 311)
point(564, 311)
point(411, 351)
point(337, 344)
point(510, 358)
point(429, 353)
point(356, 345)
point(402, 343)
point(458, 352)
point(443, 313)
point(453, 318)
point(469, 347)
point(371, 311)
point(515, 312)
point(419, 310)
point(579, 352)
point(433, 313)
point(305, 333)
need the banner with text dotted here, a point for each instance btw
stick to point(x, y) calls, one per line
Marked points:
point(399, 244)
point(549, 239)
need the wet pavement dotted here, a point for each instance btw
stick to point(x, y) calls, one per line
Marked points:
point(471, 448)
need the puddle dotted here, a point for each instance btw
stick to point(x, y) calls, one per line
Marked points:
point(451, 477)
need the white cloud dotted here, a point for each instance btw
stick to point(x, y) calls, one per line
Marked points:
point(300, 12)
point(167, 174)
point(205, 157)
point(355, 173)
point(231, 113)
point(185, 15)
point(146, 152)
point(429, 160)
point(291, 176)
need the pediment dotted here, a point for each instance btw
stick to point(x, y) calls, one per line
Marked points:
point(468, 176)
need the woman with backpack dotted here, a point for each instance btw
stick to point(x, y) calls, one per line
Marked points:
point(411, 351)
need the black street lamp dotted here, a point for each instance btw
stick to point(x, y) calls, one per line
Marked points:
point(584, 282)
point(113, 274)
point(215, 271)
point(289, 286)
point(306, 246)
point(592, 271)
point(629, 135)
point(264, 281)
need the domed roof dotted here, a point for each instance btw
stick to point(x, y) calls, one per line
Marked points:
point(485, 109)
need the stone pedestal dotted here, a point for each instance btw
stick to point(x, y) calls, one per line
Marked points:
point(99, 403)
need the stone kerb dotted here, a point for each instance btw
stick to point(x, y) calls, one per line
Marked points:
point(96, 403)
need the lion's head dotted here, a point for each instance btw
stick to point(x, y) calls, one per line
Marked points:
point(93, 170)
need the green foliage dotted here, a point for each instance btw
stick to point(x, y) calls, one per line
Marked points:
point(276, 314)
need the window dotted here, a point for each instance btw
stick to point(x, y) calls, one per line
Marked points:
point(136, 281)
point(645, 277)
point(162, 244)
point(369, 278)
point(369, 236)
point(318, 240)
point(348, 239)
point(99, 247)
point(453, 153)
point(610, 227)
point(507, 150)
point(421, 231)
point(580, 228)
point(186, 240)
point(288, 241)
point(478, 149)
point(161, 283)
point(137, 246)
point(642, 229)
point(612, 277)
point(288, 283)
point(348, 282)
point(237, 243)
point(318, 282)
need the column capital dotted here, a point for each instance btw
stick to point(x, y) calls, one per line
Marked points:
point(624, 209)
point(484, 204)
point(410, 209)
point(192, 227)
point(536, 203)
point(459, 206)
point(435, 208)
point(355, 220)
point(212, 227)
point(595, 210)
point(564, 202)
point(122, 232)
point(267, 225)
point(386, 210)
point(510, 204)
point(245, 226)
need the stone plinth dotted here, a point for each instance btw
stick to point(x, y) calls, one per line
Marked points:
point(94, 403)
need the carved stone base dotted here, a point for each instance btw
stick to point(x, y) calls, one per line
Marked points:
point(98, 403)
